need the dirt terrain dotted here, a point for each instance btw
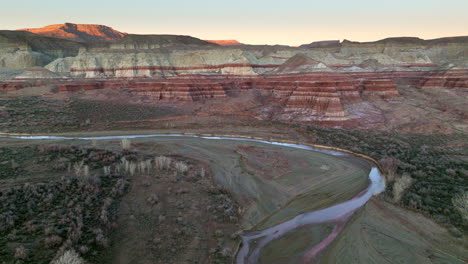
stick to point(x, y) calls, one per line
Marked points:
point(384, 233)
point(165, 218)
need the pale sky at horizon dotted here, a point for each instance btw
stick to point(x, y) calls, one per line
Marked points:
point(291, 22)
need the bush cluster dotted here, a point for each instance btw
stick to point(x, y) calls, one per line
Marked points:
point(425, 171)
point(41, 221)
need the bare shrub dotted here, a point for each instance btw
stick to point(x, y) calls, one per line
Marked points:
point(117, 169)
point(61, 163)
point(460, 202)
point(69, 257)
point(400, 185)
point(104, 216)
point(86, 171)
point(119, 187)
point(53, 241)
point(390, 166)
point(148, 164)
point(131, 168)
point(128, 166)
point(78, 168)
point(54, 148)
point(144, 166)
point(107, 170)
point(21, 253)
point(125, 143)
point(451, 172)
point(84, 249)
point(14, 165)
point(162, 163)
point(125, 164)
point(181, 167)
point(100, 238)
point(153, 199)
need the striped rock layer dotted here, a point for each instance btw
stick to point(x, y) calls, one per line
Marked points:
point(321, 96)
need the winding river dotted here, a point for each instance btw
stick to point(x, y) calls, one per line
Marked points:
point(338, 213)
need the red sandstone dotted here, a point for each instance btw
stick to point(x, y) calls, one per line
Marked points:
point(322, 93)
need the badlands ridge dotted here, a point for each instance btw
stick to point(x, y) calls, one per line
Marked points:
point(329, 82)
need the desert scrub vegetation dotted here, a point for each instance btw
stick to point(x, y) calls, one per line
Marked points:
point(74, 209)
point(400, 185)
point(108, 112)
point(61, 155)
point(460, 201)
point(13, 161)
point(191, 219)
point(427, 171)
point(48, 218)
point(125, 143)
point(69, 257)
point(37, 114)
point(223, 207)
point(42, 221)
point(162, 162)
point(179, 168)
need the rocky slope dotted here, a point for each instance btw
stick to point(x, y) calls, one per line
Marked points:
point(142, 56)
point(20, 49)
point(323, 43)
point(322, 82)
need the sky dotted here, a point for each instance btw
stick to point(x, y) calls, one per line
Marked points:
point(288, 22)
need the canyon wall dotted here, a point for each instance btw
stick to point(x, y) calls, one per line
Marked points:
point(310, 83)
